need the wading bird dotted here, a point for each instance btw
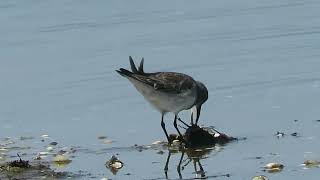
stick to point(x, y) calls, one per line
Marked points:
point(168, 92)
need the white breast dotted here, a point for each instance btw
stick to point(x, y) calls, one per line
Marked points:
point(166, 102)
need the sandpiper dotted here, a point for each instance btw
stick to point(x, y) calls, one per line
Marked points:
point(168, 91)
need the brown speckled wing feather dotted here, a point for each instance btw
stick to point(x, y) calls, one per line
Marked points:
point(167, 81)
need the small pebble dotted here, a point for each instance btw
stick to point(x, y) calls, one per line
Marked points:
point(295, 134)
point(311, 163)
point(61, 159)
point(114, 163)
point(273, 167)
point(260, 178)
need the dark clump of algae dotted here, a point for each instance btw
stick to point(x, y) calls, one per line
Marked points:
point(37, 167)
point(22, 169)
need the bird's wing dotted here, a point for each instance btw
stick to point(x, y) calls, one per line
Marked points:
point(167, 81)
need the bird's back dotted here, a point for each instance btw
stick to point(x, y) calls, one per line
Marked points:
point(167, 91)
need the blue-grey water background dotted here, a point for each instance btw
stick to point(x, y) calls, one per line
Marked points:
point(259, 59)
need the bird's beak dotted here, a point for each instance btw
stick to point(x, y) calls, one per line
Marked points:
point(198, 113)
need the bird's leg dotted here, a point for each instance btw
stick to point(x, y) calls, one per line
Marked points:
point(164, 129)
point(176, 126)
point(183, 122)
point(201, 170)
point(167, 164)
point(195, 166)
point(192, 119)
point(198, 114)
point(179, 165)
point(197, 121)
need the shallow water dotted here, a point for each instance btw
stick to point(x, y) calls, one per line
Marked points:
point(259, 59)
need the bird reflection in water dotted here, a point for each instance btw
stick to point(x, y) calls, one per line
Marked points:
point(209, 139)
point(191, 155)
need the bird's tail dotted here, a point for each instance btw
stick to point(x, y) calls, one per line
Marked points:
point(125, 72)
point(133, 66)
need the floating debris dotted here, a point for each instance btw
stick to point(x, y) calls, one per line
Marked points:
point(43, 153)
point(196, 136)
point(140, 148)
point(61, 160)
point(160, 152)
point(261, 177)
point(49, 148)
point(45, 136)
point(53, 143)
point(311, 163)
point(279, 134)
point(273, 167)
point(38, 157)
point(61, 152)
point(107, 141)
point(102, 137)
point(23, 138)
point(295, 134)
point(176, 142)
point(114, 164)
point(4, 150)
point(173, 137)
point(157, 142)
point(7, 141)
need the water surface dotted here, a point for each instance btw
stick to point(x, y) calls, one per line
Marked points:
point(259, 60)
